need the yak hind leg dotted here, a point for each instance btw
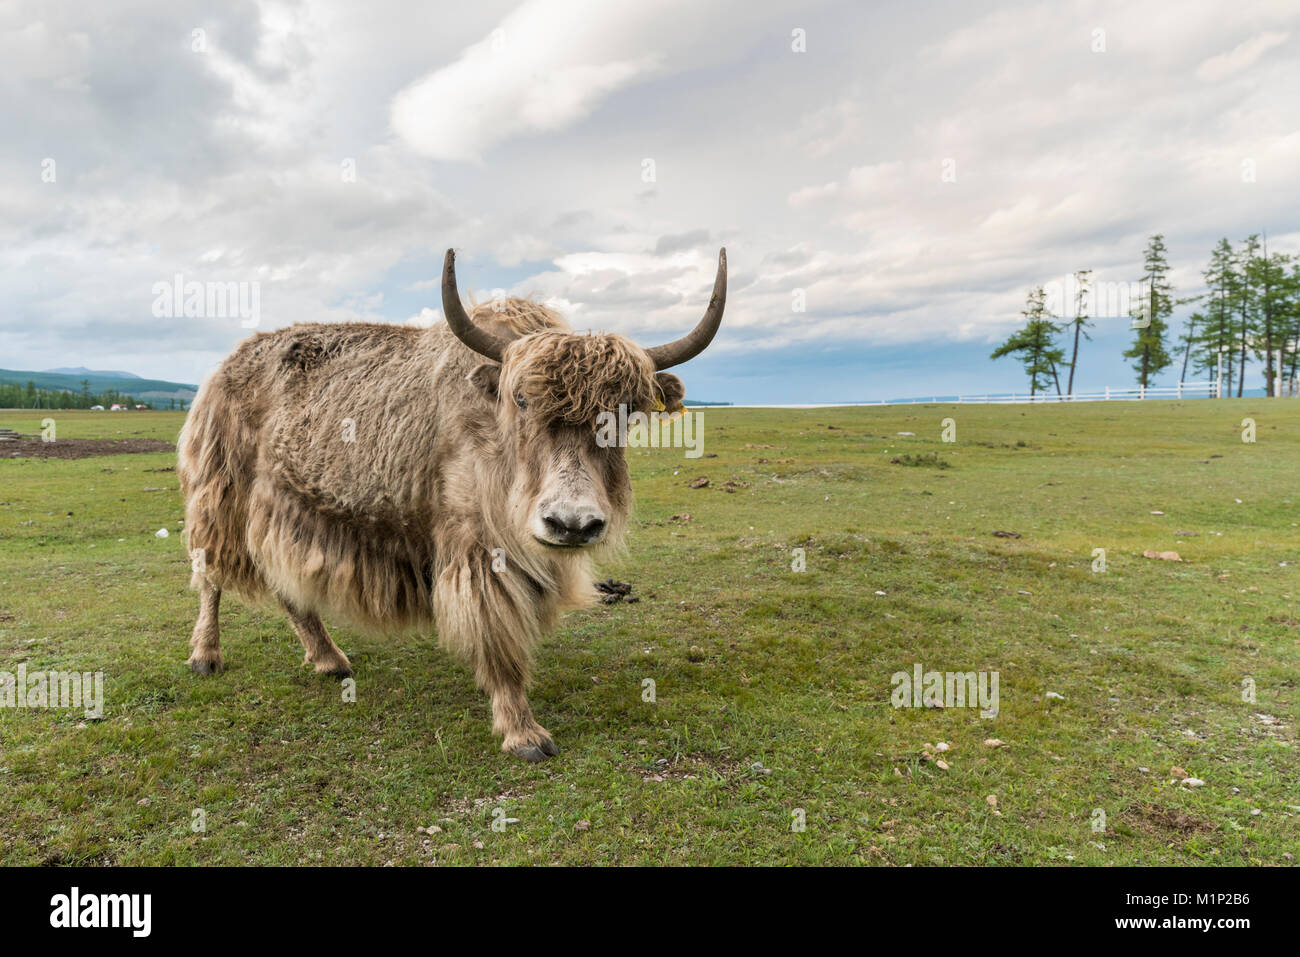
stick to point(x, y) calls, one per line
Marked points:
point(205, 659)
point(327, 657)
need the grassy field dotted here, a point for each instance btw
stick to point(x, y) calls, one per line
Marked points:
point(772, 686)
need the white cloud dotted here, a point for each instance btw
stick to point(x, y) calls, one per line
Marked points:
point(1242, 56)
point(549, 64)
point(874, 180)
point(812, 194)
point(825, 130)
point(425, 318)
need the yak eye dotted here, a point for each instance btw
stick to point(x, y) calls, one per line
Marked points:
point(521, 402)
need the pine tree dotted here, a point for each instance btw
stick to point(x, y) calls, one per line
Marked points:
point(1034, 343)
point(1268, 276)
point(1215, 338)
point(1155, 277)
point(1148, 346)
point(1246, 304)
point(1152, 315)
point(1291, 319)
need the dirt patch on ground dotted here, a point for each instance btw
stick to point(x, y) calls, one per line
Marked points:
point(688, 767)
point(1153, 819)
point(80, 448)
point(467, 805)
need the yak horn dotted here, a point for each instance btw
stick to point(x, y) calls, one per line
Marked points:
point(467, 331)
point(695, 341)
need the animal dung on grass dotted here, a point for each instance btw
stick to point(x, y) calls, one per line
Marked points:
point(613, 592)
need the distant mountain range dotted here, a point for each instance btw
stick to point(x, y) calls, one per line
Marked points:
point(70, 380)
point(83, 372)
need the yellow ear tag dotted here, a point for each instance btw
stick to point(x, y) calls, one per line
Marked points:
point(673, 412)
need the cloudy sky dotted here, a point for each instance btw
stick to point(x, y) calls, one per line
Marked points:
point(888, 178)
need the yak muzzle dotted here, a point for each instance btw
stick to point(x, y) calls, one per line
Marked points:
point(570, 527)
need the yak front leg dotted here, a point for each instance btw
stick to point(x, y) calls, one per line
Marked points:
point(205, 659)
point(327, 657)
point(477, 612)
point(501, 670)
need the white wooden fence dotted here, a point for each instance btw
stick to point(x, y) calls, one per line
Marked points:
point(1183, 390)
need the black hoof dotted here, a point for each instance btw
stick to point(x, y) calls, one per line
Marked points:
point(332, 667)
point(205, 668)
point(535, 753)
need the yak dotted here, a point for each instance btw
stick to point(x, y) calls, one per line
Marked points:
point(405, 480)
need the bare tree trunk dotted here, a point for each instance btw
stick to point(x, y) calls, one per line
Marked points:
point(1295, 357)
point(1074, 359)
point(1187, 353)
point(1241, 374)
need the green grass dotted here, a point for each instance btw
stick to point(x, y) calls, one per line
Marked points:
point(773, 686)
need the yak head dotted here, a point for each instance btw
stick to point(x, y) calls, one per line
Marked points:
point(557, 395)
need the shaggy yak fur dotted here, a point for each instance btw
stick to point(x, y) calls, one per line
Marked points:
point(390, 477)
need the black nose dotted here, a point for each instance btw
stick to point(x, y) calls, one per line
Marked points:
point(574, 529)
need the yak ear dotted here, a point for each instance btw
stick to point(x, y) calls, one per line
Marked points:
point(670, 391)
point(487, 377)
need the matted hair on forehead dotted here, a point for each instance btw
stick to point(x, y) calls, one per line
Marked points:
point(572, 378)
point(521, 316)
